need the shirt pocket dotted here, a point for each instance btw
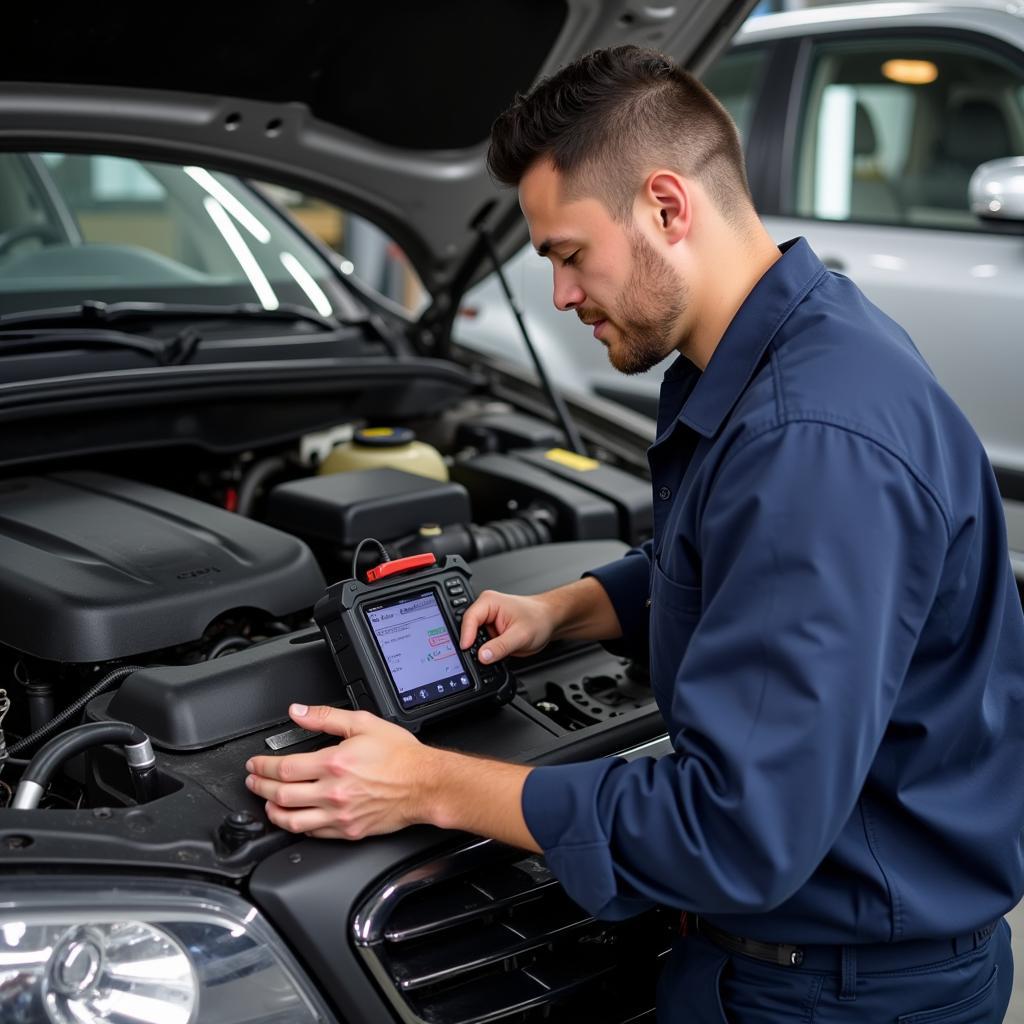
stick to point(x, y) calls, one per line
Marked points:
point(681, 599)
point(675, 612)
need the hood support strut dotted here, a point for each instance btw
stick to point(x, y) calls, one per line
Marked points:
point(558, 403)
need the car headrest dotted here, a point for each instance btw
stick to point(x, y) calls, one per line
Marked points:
point(865, 141)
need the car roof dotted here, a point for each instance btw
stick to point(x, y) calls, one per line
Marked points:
point(871, 14)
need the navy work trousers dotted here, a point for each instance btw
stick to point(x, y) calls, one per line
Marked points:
point(704, 984)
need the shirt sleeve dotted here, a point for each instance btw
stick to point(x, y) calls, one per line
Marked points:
point(821, 556)
point(627, 582)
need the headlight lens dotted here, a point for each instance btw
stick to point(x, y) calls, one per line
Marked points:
point(123, 970)
point(143, 953)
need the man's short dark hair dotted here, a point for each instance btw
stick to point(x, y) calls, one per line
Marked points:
point(610, 118)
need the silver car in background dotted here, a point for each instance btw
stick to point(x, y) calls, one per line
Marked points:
point(864, 128)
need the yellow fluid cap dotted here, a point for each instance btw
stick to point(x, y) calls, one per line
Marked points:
point(573, 460)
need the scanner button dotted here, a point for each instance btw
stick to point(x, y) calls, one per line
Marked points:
point(459, 602)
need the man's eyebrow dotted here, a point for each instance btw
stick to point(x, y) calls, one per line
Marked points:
point(551, 243)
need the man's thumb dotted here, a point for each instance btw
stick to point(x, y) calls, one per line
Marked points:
point(500, 647)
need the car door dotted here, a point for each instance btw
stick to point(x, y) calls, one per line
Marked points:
point(890, 127)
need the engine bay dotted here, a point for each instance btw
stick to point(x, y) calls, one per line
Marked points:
point(181, 604)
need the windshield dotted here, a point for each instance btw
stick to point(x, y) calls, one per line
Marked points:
point(77, 228)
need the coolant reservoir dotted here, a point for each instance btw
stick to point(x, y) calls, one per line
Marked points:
point(390, 447)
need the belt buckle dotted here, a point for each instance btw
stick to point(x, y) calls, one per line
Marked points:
point(790, 956)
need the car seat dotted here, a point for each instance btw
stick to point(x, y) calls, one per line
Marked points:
point(872, 196)
point(975, 131)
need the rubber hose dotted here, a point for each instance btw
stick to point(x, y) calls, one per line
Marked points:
point(227, 643)
point(259, 473)
point(53, 754)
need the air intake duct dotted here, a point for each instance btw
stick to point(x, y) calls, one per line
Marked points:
point(528, 529)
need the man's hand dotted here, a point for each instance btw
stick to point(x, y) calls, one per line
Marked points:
point(380, 778)
point(518, 625)
point(524, 625)
point(369, 784)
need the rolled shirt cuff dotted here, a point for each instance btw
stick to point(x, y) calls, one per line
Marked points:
point(560, 807)
point(627, 581)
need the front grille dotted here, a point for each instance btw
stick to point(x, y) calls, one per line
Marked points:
point(488, 934)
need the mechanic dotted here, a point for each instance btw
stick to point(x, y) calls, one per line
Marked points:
point(835, 637)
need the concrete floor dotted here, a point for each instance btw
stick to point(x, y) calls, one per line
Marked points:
point(1015, 1014)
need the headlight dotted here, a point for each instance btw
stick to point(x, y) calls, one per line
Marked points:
point(79, 951)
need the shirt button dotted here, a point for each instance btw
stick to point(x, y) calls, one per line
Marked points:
point(647, 603)
point(664, 493)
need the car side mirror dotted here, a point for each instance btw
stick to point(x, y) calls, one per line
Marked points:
point(996, 194)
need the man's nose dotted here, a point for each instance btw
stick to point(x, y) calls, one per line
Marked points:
point(568, 294)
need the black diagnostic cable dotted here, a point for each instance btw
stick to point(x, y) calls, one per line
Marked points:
point(112, 678)
point(385, 557)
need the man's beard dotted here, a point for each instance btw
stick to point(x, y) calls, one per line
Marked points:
point(652, 304)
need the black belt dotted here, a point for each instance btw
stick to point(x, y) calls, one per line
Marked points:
point(869, 957)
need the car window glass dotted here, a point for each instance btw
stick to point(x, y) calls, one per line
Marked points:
point(735, 79)
point(892, 130)
point(76, 227)
point(114, 200)
point(368, 254)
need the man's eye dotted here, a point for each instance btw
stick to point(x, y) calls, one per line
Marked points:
point(570, 261)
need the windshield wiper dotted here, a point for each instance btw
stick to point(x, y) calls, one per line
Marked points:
point(94, 312)
point(166, 352)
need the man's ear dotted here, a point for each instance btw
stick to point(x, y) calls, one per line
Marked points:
point(667, 196)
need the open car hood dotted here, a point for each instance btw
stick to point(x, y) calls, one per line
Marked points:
point(383, 108)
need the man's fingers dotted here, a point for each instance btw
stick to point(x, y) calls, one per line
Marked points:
point(327, 833)
point(308, 819)
point(479, 613)
point(287, 794)
point(288, 768)
point(324, 718)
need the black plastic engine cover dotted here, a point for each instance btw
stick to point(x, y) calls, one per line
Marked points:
point(95, 567)
point(629, 494)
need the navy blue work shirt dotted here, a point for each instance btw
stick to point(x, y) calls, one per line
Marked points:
point(836, 645)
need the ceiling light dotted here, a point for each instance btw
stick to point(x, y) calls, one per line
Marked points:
point(910, 72)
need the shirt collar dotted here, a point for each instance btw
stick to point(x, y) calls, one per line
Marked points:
point(740, 349)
